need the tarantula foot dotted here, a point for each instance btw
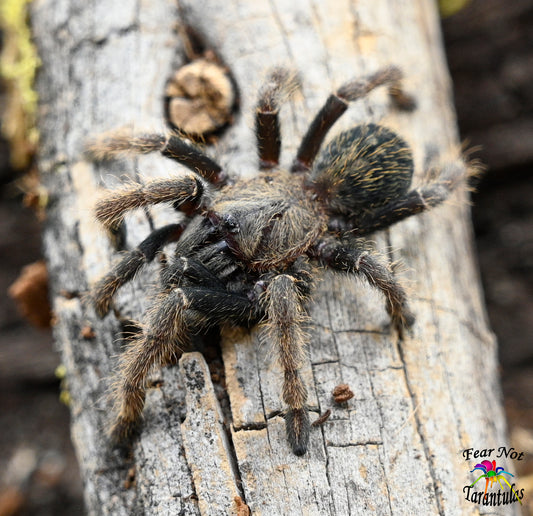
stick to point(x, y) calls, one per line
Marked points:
point(102, 306)
point(123, 431)
point(297, 426)
point(403, 321)
point(102, 295)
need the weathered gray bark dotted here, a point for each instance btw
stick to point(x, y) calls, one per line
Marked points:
point(396, 447)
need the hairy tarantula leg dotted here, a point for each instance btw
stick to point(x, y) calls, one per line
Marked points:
point(190, 156)
point(357, 260)
point(160, 343)
point(424, 198)
point(117, 143)
point(220, 306)
point(284, 327)
point(176, 313)
point(185, 192)
point(337, 104)
point(192, 270)
point(128, 267)
point(280, 85)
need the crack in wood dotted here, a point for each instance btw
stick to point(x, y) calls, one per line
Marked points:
point(356, 444)
point(420, 431)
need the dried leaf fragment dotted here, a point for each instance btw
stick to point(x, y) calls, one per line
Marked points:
point(342, 393)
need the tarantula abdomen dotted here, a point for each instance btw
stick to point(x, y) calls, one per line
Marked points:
point(363, 168)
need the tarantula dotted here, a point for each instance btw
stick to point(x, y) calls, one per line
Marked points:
point(246, 251)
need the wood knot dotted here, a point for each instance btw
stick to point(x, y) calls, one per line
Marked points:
point(200, 98)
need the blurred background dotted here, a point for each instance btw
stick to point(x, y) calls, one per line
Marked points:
point(490, 53)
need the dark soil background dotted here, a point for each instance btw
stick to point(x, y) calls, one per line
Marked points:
point(490, 53)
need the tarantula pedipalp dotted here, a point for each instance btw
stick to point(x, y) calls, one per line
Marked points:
point(245, 253)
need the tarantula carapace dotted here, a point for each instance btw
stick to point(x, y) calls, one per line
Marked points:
point(247, 249)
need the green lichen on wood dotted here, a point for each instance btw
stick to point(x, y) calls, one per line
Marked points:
point(18, 66)
point(449, 7)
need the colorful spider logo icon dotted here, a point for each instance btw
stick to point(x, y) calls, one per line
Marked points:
point(491, 474)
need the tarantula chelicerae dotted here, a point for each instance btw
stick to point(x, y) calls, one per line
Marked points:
point(244, 254)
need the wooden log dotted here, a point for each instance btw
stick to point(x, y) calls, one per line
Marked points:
point(396, 447)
